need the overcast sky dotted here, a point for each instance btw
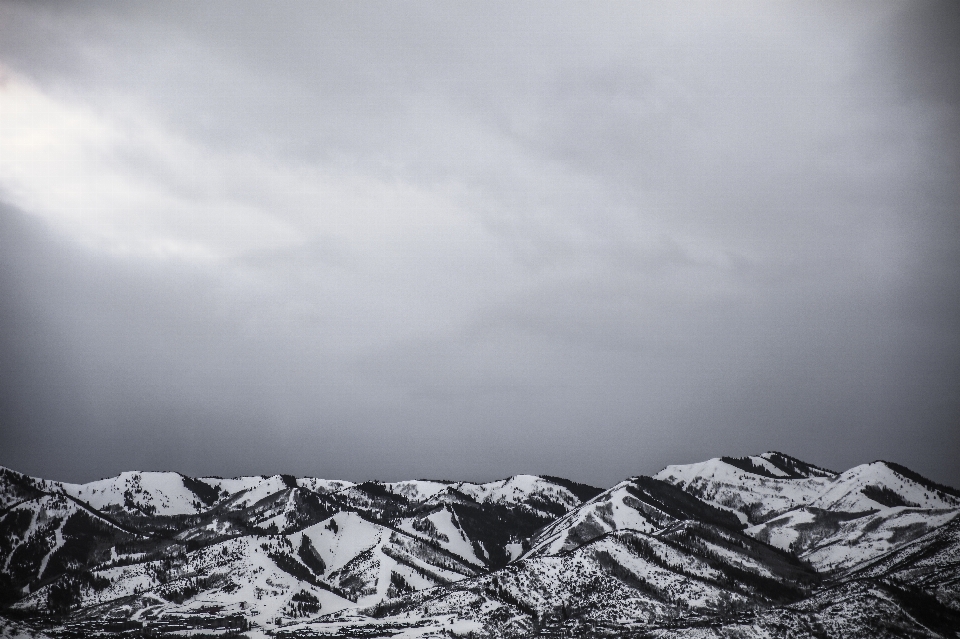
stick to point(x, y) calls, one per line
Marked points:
point(467, 240)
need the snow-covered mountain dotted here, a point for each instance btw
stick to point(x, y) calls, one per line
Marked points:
point(754, 488)
point(835, 521)
point(763, 546)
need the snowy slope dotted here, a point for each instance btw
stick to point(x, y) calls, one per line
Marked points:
point(285, 511)
point(753, 496)
point(621, 580)
point(35, 533)
point(322, 485)
point(641, 503)
point(373, 562)
point(877, 486)
point(441, 526)
point(539, 494)
point(417, 490)
point(931, 562)
point(47, 535)
point(360, 563)
point(147, 493)
point(759, 489)
point(861, 514)
point(243, 492)
point(241, 576)
point(16, 487)
point(835, 540)
point(614, 509)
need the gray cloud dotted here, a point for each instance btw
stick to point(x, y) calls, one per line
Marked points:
point(475, 240)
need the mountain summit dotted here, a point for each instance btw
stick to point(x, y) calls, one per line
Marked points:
point(765, 546)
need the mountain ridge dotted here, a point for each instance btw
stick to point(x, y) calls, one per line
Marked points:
point(727, 544)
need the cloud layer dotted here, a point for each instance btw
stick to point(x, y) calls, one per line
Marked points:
point(475, 240)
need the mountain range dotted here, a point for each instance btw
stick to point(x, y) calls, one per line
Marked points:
point(760, 546)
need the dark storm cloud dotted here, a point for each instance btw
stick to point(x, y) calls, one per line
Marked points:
point(471, 240)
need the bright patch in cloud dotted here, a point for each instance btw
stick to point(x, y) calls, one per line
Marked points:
point(124, 184)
